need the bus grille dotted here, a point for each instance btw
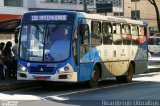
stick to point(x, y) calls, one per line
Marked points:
point(46, 69)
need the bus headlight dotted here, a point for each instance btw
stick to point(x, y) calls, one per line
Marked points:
point(21, 68)
point(66, 69)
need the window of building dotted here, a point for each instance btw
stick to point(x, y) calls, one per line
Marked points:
point(135, 0)
point(90, 2)
point(117, 3)
point(118, 14)
point(135, 14)
point(15, 3)
point(54, 1)
point(70, 1)
point(81, 2)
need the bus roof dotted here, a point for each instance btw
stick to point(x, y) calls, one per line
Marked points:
point(110, 18)
point(91, 16)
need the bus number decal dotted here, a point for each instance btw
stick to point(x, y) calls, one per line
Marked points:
point(49, 18)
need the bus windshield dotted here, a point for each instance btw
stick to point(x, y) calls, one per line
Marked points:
point(45, 43)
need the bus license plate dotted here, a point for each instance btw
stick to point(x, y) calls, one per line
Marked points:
point(41, 78)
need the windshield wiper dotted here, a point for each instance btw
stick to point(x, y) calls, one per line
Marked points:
point(37, 27)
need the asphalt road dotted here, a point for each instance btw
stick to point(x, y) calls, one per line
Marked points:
point(144, 87)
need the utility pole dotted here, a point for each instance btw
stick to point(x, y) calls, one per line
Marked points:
point(85, 6)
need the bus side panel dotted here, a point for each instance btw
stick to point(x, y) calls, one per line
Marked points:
point(114, 60)
point(140, 58)
point(105, 53)
point(138, 66)
point(85, 71)
point(87, 63)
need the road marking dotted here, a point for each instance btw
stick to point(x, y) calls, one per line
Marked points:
point(57, 97)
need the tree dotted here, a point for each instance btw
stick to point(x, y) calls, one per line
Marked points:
point(153, 2)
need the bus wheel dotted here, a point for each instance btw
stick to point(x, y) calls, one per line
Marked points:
point(94, 81)
point(129, 75)
point(126, 78)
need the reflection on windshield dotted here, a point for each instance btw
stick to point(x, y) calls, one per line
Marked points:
point(32, 42)
point(45, 43)
point(57, 42)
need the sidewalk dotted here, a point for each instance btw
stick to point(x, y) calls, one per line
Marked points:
point(16, 84)
point(154, 63)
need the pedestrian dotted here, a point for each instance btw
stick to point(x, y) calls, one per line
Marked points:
point(8, 60)
point(2, 44)
point(15, 52)
point(14, 71)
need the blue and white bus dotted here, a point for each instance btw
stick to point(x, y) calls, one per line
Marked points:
point(154, 44)
point(68, 46)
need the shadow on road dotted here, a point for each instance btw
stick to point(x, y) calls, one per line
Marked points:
point(47, 88)
point(145, 75)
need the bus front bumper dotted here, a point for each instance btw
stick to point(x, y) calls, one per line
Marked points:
point(65, 77)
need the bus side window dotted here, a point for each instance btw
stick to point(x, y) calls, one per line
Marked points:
point(134, 33)
point(84, 34)
point(84, 39)
point(107, 33)
point(126, 34)
point(142, 36)
point(96, 31)
point(117, 39)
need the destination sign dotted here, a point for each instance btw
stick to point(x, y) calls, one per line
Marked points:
point(48, 17)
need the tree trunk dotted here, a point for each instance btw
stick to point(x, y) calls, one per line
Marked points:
point(158, 18)
point(157, 13)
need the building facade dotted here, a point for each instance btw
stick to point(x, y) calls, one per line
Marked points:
point(18, 7)
point(13, 9)
point(142, 10)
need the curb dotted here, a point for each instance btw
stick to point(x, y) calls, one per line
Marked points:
point(9, 85)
